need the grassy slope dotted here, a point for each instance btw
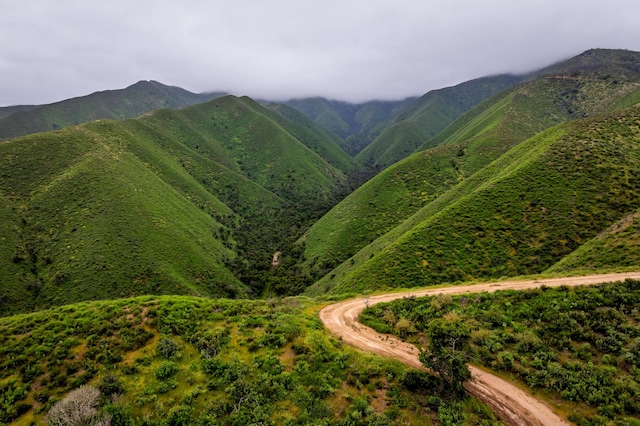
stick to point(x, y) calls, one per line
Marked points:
point(323, 142)
point(616, 247)
point(130, 102)
point(10, 271)
point(117, 208)
point(237, 362)
point(258, 146)
point(355, 123)
point(406, 130)
point(377, 206)
point(527, 210)
point(96, 222)
point(332, 115)
point(466, 146)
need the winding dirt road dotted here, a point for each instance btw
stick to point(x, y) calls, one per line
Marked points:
point(510, 403)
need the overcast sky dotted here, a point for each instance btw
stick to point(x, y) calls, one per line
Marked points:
point(351, 50)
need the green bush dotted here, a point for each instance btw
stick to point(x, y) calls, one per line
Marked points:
point(165, 370)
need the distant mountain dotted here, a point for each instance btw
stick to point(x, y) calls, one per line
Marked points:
point(322, 141)
point(6, 111)
point(352, 122)
point(135, 100)
point(162, 204)
point(417, 124)
point(465, 148)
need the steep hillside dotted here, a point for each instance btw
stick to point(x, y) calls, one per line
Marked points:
point(5, 111)
point(175, 202)
point(321, 141)
point(258, 143)
point(609, 63)
point(380, 204)
point(616, 247)
point(470, 143)
point(409, 128)
point(520, 215)
point(91, 220)
point(130, 102)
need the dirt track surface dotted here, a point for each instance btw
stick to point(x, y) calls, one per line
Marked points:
point(510, 403)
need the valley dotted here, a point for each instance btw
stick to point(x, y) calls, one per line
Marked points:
point(186, 251)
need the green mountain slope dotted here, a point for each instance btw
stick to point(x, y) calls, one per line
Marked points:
point(93, 221)
point(616, 247)
point(352, 122)
point(401, 134)
point(520, 215)
point(470, 143)
point(130, 102)
point(6, 111)
point(251, 139)
point(157, 205)
point(323, 142)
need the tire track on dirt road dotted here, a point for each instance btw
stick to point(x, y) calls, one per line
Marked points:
point(509, 402)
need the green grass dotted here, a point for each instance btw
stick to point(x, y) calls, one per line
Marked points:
point(317, 138)
point(411, 191)
point(520, 215)
point(412, 126)
point(203, 360)
point(576, 347)
point(616, 247)
point(158, 205)
point(379, 205)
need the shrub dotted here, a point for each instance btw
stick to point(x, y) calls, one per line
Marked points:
point(79, 407)
point(166, 370)
point(167, 348)
point(111, 385)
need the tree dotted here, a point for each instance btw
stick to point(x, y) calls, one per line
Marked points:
point(79, 407)
point(448, 350)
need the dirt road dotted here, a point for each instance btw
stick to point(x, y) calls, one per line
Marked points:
point(510, 403)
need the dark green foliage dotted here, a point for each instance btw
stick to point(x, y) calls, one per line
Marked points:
point(110, 386)
point(167, 348)
point(448, 352)
point(579, 344)
point(166, 370)
point(120, 414)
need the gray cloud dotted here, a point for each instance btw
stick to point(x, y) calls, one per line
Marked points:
point(353, 50)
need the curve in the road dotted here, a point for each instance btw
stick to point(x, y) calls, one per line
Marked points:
point(510, 403)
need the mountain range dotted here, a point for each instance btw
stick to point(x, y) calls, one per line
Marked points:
point(201, 199)
point(130, 218)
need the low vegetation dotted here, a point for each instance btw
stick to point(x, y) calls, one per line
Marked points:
point(182, 361)
point(579, 347)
